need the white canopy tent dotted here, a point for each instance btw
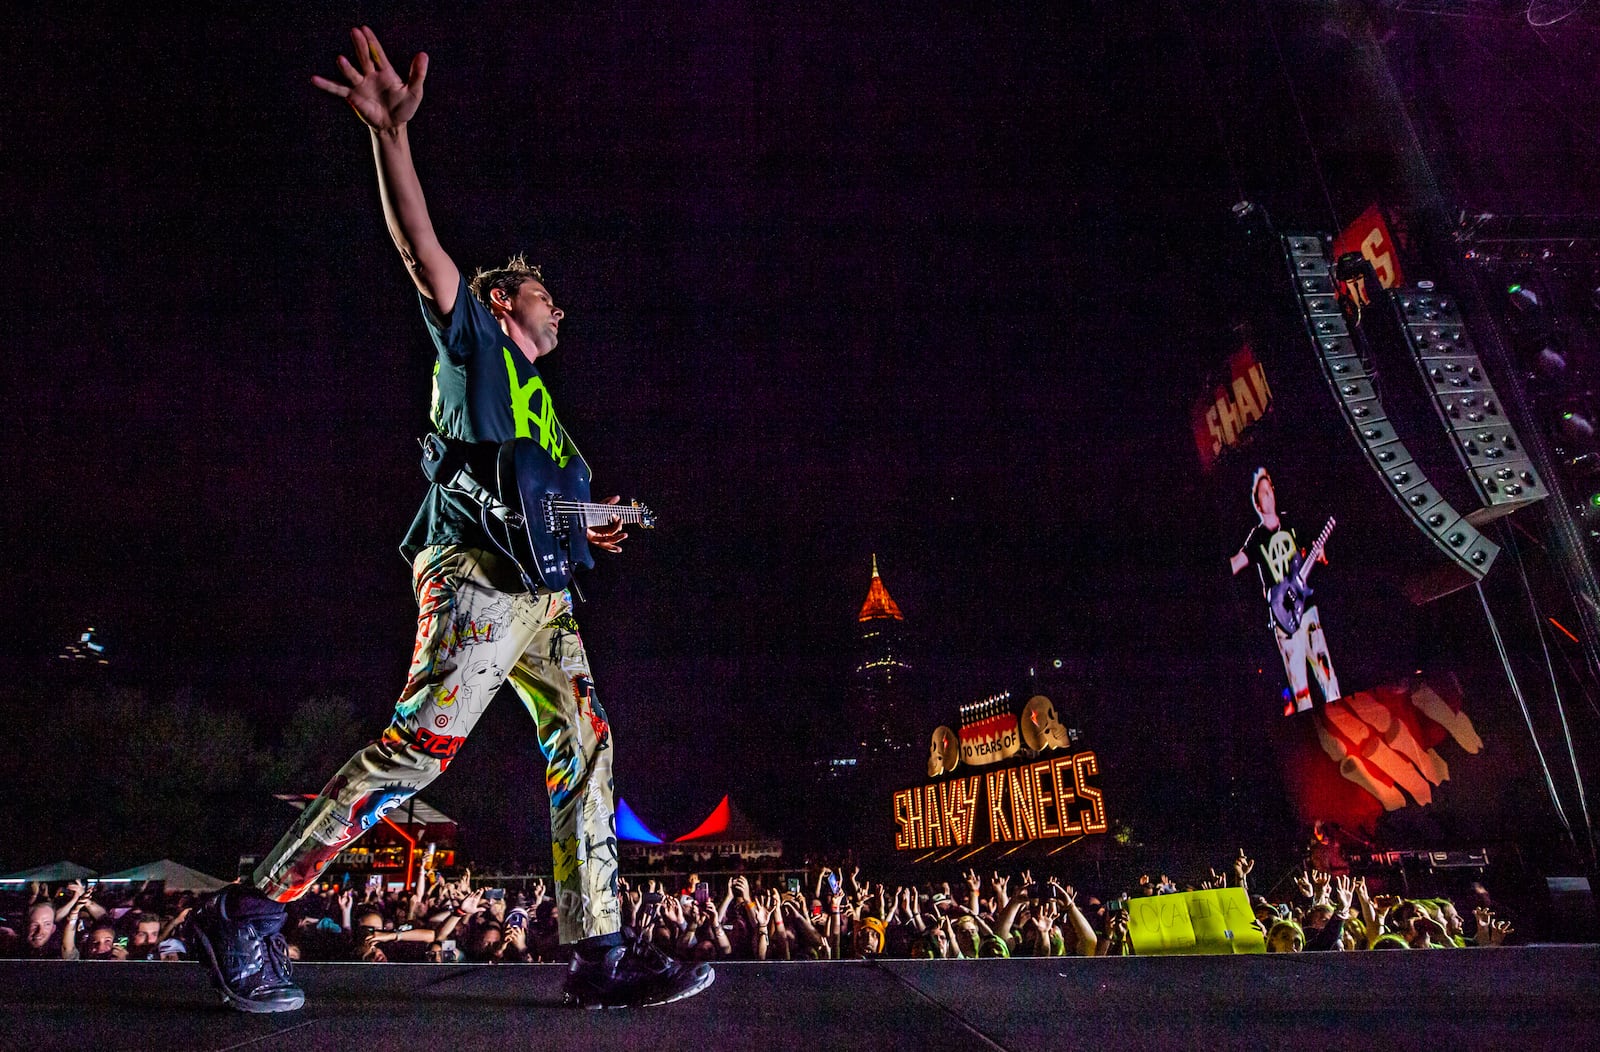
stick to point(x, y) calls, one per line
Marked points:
point(176, 877)
point(52, 873)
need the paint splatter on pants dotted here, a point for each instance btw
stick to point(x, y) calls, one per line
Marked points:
point(475, 631)
point(1307, 646)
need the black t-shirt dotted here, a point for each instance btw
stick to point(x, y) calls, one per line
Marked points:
point(1271, 551)
point(484, 390)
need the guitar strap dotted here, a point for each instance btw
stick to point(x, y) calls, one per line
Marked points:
point(447, 463)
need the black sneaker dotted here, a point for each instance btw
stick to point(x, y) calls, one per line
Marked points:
point(633, 977)
point(236, 933)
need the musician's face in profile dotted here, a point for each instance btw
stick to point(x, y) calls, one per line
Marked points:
point(532, 309)
point(1266, 500)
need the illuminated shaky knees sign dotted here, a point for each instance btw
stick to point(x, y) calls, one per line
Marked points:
point(1049, 798)
point(1034, 800)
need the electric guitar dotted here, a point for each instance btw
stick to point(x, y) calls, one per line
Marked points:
point(537, 512)
point(1288, 597)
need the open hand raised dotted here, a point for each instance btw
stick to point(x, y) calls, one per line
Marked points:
point(374, 90)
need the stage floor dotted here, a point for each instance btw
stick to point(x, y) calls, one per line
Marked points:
point(1536, 997)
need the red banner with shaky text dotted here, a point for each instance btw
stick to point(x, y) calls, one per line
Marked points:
point(1221, 417)
point(1369, 235)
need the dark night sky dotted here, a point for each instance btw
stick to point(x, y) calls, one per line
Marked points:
point(839, 279)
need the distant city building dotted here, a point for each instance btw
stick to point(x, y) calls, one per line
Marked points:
point(881, 678)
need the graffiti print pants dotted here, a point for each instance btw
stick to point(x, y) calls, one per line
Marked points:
point(1307, 646)
point(475, 631)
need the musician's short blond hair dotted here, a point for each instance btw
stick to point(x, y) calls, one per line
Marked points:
point(508, 278)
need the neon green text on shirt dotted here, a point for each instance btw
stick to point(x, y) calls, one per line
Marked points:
point(526, 417)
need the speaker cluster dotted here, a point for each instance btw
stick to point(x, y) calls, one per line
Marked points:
point(1501, 471)
point(1354, 387)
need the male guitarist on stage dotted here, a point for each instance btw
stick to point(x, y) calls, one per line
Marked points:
point(1274, 550)
point(475, 622)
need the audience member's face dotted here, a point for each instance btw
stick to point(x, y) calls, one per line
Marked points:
point(147, 934)
point(41, 924)
point(373, 920)
point(100, 942)
point(1285, 941)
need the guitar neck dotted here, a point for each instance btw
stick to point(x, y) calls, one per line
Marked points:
point(591, 514)
point(1316, 552)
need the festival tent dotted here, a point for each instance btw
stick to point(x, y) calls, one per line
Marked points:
point(725, 822)
point(729, 831)
point(630, 827)
point(176, 877)
point(52, 873)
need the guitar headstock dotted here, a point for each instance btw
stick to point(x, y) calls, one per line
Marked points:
point(647, 518)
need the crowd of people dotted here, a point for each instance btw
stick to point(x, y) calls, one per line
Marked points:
point(829, 913)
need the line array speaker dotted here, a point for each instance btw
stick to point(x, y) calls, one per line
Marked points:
point(1502, 473)
point(1354, 388)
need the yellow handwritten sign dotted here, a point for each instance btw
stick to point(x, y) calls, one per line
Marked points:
point(1216, 921)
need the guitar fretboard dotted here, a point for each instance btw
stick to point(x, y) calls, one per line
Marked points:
point(595, 514)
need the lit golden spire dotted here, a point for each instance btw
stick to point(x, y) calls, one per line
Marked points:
point(878, 603)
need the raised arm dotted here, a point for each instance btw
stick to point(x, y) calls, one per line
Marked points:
point(386, 104)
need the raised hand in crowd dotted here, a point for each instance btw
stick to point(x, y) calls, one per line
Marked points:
point(1343, 891)
point(1371, 922)
point(174, 924)
point(1485, 918)
point(974, 888)
point(800, 924)
point(760, 912)
point(1002, 890)
point(75, 895)
point(672, 912)
point(1081, 928)
point(1241, 870)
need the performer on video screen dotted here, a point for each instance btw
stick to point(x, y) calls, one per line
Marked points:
point(1272, 547)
